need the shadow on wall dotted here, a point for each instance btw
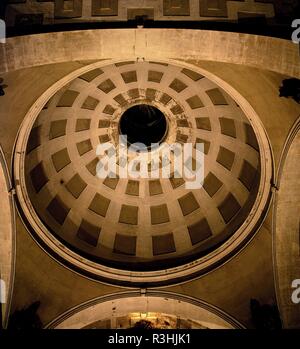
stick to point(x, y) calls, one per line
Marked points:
point(3, 4)
point(2, 87)
point(265, 316)
point(26, 318)
point(290, 88)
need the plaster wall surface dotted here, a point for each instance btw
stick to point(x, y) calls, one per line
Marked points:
point(286, 235)
point(262, 52)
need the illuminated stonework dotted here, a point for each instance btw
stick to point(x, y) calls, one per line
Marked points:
point(138, 228)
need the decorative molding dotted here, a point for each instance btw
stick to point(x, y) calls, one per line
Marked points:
point(104, 7)
point(67, 8)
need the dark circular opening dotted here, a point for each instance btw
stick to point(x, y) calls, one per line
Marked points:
point(143, 123)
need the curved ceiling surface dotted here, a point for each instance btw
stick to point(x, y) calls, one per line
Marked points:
point(157, 309)
point(141, 224)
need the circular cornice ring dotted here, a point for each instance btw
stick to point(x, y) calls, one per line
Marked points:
point(177, 274)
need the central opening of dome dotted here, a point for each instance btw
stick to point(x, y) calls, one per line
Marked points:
point(143, 123)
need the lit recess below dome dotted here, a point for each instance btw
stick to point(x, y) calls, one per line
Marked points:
point(143, 225)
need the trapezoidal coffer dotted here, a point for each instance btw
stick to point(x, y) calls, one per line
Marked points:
point(137, 231)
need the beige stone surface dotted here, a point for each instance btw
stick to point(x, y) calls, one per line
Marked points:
point(26, 86)
point(286, 233)
point(261, 89)
point(7, 241)
point(248, 275)
point(39, 277)
point(252, 50)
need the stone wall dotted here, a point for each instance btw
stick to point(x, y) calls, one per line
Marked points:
point(262, 52)
point(20, 12)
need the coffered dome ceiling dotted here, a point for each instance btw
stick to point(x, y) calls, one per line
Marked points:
point(141, 224)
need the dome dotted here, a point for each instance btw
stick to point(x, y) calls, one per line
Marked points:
point(141, 224)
